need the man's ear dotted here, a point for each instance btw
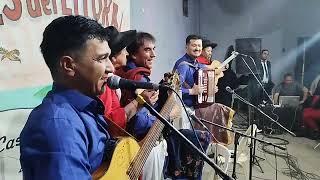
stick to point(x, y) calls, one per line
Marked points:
point(133, 56)
point(67, 65)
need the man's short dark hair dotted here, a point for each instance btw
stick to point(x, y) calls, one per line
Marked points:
point(139, 41)
point(287, 75)
point(192, 36)
point(263, 50)
point(67, 35)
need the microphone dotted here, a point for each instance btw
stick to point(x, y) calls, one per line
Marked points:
point(237, 53)
point(115, 82)
point(229, 90)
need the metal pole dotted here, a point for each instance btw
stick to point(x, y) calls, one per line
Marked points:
point(303, 60)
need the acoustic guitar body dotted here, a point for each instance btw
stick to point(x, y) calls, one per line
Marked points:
point(124, 153)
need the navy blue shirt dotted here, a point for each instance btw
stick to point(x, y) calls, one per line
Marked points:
point(187, 74)
point(62, 139)
point(140, 124)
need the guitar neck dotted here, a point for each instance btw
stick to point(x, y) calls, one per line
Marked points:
point(151, 139)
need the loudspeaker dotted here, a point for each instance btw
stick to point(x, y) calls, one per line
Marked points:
point(251, 47)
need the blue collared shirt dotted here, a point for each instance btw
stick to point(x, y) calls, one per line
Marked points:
point(143, 120)
point(187, 75)
point(62, 139)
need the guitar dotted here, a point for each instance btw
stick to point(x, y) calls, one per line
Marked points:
point(129, 157)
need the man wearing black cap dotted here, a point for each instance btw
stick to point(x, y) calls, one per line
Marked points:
point(111, 98)
point(206, 53)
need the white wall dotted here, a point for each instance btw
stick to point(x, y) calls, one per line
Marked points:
point(164, 19)
point(277, 22)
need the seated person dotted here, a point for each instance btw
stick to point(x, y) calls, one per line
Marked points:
point(311, 115)
point(289, 88)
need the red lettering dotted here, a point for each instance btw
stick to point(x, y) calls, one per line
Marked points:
point(44, 4)
point(54, 4)
point(114, 21)
point(15, 13)
point(76, 7)
point(85, 8)
point(105, 13)
point(65, 9)
point(96, 15)
point(36, 11)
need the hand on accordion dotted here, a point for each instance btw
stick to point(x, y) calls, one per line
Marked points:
point(196, 89)
point(216, 89)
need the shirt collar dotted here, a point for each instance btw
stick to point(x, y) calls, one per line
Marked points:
point(77, 99)
point(189, 58)
point(131, 64)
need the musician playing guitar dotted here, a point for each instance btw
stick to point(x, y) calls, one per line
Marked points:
point(139, 66)
point(65, 137)
point(118, 114)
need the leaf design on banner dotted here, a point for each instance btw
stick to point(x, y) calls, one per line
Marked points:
point(11, 55)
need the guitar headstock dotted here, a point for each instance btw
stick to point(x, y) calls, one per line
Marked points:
point(172, 80)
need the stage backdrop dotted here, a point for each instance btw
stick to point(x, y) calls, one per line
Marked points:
point(24, 77)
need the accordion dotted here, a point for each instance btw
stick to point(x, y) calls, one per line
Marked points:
point(207, 79)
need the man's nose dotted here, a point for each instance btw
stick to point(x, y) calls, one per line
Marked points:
point(153, 53)
point(109, 67)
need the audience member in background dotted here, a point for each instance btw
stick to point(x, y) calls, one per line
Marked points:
point(311, 114)
point(288, 87)
point(255, 93)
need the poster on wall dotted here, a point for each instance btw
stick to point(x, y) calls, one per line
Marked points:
point(24, 77)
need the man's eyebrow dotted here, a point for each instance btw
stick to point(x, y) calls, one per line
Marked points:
point(147, 48)
point(103, 55)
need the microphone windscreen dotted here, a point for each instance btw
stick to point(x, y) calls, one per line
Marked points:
point(229, 89)
point(113, 82)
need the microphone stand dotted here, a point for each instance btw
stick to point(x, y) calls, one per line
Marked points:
point(258, 109)
point(222, 174)
point(236, 137)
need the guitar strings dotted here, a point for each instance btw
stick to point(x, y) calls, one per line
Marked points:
point(136, 167)
point(146, 149)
